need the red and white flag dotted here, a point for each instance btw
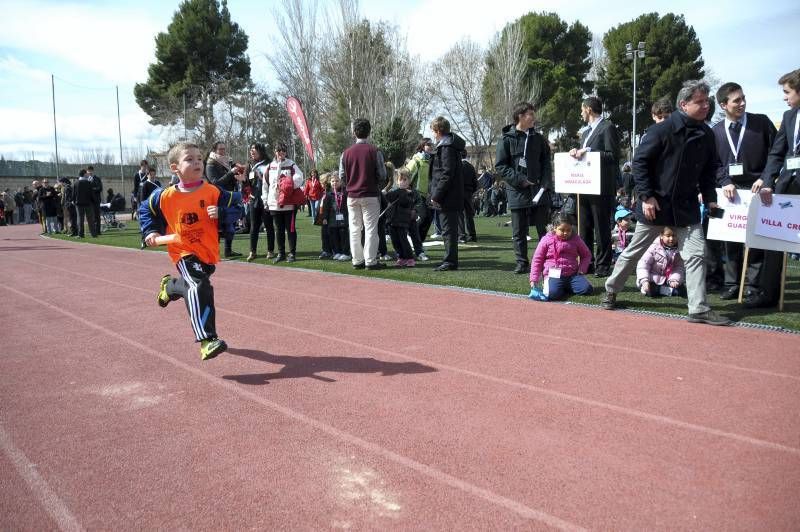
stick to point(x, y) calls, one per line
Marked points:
point(295, 110)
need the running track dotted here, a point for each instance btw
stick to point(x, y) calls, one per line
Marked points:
point(357, 403)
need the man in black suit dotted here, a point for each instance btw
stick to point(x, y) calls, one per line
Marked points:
point(97, 192)
point(782, 172)
point(597, 211)
point(743, 143)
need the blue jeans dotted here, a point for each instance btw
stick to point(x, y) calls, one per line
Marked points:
point(559, 288)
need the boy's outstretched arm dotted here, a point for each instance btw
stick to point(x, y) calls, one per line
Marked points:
point(151, 220)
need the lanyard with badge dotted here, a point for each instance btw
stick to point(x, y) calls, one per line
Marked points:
point(736, 168)
point(793, 162)
point(523, 163)
point(337, 200)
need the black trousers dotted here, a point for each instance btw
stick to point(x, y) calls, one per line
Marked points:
point(96, 213)
point(416, 240)
point(399, 235)
point(466, 220)
point(72, 213)
point(339, 238)
point(539, 216)
point(194, 286)
point(260, 216)
point(597, 213)
point(448, 220)
point(519, 234)
point(285, 225)
point(84, 212)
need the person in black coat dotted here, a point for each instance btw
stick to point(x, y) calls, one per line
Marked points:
point(97, 191)
point(84, 196)
point(68, 203)
point(466, 219)
point(523, 163)
point(447, 188)
point(220, 171)
point(256, 176)
point(743, 143)
point(597, 211)
point(402, 205)
point(676, 159)
point(781, 175)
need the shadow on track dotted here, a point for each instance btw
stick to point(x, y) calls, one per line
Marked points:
point(299, 367)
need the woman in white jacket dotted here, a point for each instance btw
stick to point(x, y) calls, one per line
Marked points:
point(283, 216)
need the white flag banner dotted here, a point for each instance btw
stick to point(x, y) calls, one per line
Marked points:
point(780, 220)
point(577, 176)
point(732, 227)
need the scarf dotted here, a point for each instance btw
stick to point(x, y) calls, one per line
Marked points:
point(224, 162)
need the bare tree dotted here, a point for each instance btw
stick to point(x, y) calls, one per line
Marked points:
point(458, 86)
point(598, 57)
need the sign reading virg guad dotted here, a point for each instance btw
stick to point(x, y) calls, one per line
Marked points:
point(732, 227)
point(577, 176)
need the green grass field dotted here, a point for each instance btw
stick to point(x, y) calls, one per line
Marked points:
point(488, 265)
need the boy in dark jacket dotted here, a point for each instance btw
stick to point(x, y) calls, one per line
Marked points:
point(402, 206)
point(334, 219)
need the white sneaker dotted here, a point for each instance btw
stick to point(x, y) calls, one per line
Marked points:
point(436, 235)
point(422, 256)
point(528, 238)
point(337, 256)
point(345, 257)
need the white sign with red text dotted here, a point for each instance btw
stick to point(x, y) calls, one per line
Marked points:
point(732, 227)
point(780, 220)
point(577, 176)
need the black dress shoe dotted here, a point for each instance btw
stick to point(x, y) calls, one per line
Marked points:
point(731, 292)
point(522, 268)
point(359, 266)
point(290, 257)
point(280, 257)
point(445, 267)
point(758, 300)
point(376, 266)
point(602, 271)
point(232, 254)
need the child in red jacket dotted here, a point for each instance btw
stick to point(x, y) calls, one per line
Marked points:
point(314, 192)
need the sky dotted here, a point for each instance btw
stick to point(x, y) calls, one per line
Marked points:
point(93, 48)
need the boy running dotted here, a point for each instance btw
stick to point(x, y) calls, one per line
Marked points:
point(191, 210)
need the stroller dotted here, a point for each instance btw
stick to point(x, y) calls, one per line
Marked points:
point(108, 212)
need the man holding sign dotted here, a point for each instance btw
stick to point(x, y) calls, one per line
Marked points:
point(676, 158)
point(743, 143)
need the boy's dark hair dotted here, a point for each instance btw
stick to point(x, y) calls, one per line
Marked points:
point(520, 109)
point(594, 104)
point(82, 172)
point(280, 146)
point(662, 107)
point(144, 162)
point(90, 167)
point(792, 79)
point(725, 91)
point(425, 141)
point(361, 128)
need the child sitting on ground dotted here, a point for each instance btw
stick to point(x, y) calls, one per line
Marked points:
point(560, 262)
point(333, 215)
point(401, 206)
point(660, 271)
point(192, 210)
point(622, 233)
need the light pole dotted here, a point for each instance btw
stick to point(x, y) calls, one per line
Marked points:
point(631, 53)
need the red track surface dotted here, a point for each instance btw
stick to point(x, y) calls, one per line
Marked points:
point(358, 403)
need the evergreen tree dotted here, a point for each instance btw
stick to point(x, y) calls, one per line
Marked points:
point(202, 58)
point(673, 55)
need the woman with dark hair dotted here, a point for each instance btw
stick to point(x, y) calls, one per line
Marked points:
point(282, 215)
point(258, 214)
point(221, 171)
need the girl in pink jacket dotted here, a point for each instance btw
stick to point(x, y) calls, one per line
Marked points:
point(560, 262)
point(660, 271)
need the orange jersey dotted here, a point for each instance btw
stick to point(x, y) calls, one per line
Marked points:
point(187, 217)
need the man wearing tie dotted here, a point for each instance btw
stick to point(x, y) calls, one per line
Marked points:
point(743, 142)
point(782, 172)
point(597, 211)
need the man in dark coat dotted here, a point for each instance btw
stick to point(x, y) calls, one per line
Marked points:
point(466, 219)
point(523, 162)
point(597, 212)
point(97, 192)
point(743, 143)
point(676, 158)
point(447, 188)
point(84, 196)
point(782, 172)
point(68, 204)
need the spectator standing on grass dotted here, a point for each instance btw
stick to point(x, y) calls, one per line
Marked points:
point(97, 190)
point(259, 214)
point(9, 206)
point(149, 185)
point(48, 199)
point(83, 201)
point(676, 158)
point(314, 193)
point(283, 216)
point(138, 179)
point(402, 203)
point(447, 188)
point(19, 201)
point(419, 167)
point(68, 205)
point(743, 143)
point(466, 218)
point(523, 162)
point(222, 172)
point(27, 205)
point(362, 170)
point(333, 221)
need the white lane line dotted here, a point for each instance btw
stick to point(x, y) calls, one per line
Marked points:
point(440, 476)
point(48, 499)
point(491, 378)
